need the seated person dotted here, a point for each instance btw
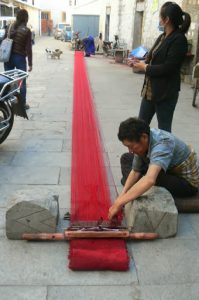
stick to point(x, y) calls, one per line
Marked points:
point(160, 159)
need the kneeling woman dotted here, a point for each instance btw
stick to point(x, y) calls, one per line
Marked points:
point(168, 162)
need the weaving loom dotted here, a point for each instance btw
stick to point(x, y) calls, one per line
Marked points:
point(95, 243)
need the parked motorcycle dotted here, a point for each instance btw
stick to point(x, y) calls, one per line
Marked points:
point(107, 46)
point(10, 100)
point(77, 43)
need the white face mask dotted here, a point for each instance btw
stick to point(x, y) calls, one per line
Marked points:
point(161, 27)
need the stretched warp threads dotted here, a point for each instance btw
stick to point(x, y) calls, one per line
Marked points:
point(90, 195)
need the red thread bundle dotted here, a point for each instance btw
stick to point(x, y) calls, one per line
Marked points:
point(90, 195)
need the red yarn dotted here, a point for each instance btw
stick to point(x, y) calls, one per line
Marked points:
point(90, 195)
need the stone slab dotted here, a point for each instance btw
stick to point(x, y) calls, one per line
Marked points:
point(65, 176)
point(47, 134)
point(67, 145)
point(23, 292)
point(44, 159)
point(31, 212)
point(50, 117)
point(46, 263)
point(93, 292)
point(167, 261)
point(194, 221)
point(25, 175)
point(32, 125)
point(32, 144)
point(168, 292)
point(154, 211)
point(15, 134)
point(185, 227)
point(7, 158)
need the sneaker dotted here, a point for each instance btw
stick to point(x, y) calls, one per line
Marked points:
point(27, 106)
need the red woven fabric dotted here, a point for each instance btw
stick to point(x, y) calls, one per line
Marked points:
point(90, 195)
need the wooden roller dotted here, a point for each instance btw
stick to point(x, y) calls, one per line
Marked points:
point(79, 234)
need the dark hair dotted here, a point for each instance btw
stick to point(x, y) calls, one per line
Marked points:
point(22, 17)
point(181, 20)
point(132, 129)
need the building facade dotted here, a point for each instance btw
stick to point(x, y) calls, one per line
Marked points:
point(53, 12)
point(136, 22)
point(9, 8)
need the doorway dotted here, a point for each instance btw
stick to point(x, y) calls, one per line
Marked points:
point(137, 34)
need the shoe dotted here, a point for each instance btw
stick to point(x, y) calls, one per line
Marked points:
point(27, 106)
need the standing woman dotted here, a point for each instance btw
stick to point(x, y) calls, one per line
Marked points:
point(22, 47)
point(162, 67)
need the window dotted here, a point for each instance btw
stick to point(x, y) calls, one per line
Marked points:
point(44, 15)
point(5, 11)
point(63, 17)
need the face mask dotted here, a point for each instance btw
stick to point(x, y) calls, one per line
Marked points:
point(161, 28)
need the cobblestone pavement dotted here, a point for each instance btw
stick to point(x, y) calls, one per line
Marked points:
point(37, 156)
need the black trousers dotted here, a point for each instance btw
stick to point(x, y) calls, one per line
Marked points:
point(164, 111)
point(177, 186)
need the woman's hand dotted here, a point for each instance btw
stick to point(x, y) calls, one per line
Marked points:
point(114, 210)
point(132, 61)
point(29, 69)
point(140, 66)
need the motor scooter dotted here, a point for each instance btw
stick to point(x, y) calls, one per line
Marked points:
point(77, 43)
point(10, 100)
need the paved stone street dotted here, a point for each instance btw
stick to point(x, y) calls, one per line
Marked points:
point(37, 156)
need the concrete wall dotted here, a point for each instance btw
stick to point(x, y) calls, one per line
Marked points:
point(122, 20)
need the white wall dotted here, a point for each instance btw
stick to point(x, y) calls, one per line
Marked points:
point(34, 19)
point(86, 7)
point(52, 4)
point(121, 16)
point(122, 20)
